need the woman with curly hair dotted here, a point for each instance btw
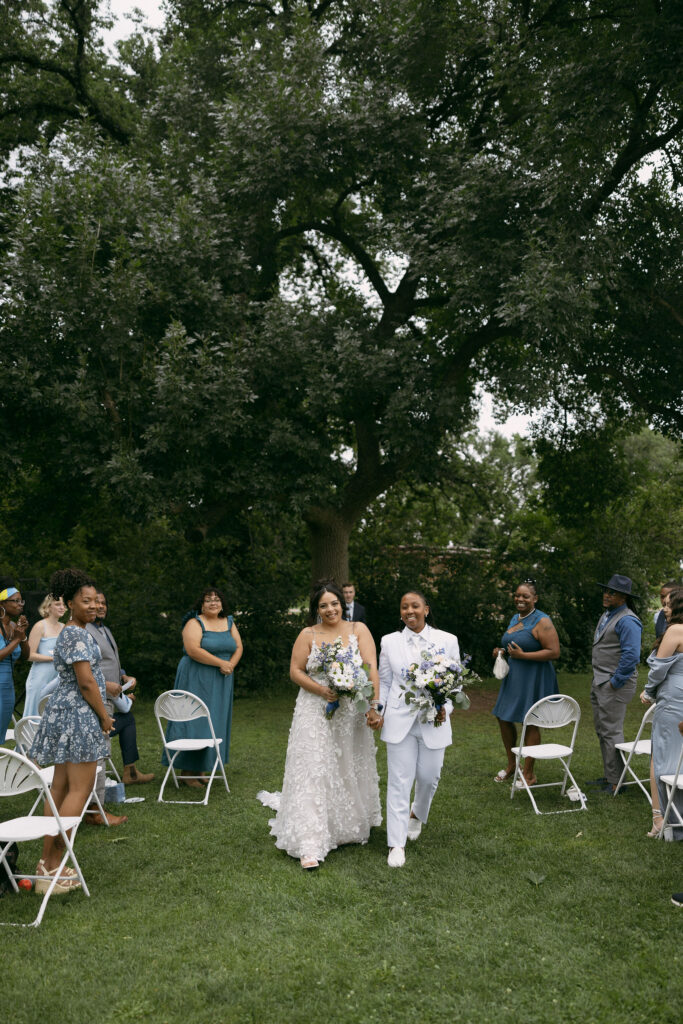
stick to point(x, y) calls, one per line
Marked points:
point(73, 732)
point(665, 687)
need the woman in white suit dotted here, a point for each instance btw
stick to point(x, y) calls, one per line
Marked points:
point(415, 750)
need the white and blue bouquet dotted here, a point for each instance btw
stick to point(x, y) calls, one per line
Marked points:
point(345, 673)
point(435, 679)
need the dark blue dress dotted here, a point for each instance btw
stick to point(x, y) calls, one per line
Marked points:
point(527, 681)
point(216, 690)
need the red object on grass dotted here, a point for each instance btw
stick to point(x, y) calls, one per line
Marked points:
point(25, 883)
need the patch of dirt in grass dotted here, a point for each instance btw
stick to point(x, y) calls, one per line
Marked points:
point(481, 700)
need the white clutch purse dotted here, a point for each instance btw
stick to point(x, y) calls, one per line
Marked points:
point(500, 666)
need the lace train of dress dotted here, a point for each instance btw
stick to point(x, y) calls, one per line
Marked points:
point(330, 791)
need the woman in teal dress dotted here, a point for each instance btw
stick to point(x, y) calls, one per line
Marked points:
point(531, 643)
point(213, 648)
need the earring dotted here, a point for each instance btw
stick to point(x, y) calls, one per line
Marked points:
point(319, 619)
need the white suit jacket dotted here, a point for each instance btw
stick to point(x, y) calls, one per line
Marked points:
point(396, 654)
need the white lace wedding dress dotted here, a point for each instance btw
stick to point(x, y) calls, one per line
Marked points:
point(330, 792)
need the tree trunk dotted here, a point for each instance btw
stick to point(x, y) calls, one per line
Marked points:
point(329, 533)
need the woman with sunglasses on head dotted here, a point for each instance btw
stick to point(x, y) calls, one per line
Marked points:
point(213, 647)
point(13, 645)
point(531, 643)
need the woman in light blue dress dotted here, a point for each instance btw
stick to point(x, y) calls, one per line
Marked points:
point(41, 643)
point(73, 732)
point(665, 687)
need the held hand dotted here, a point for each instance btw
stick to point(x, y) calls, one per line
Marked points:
point(107, 723)
point(113, 689)
point(515, 651)
point(644, 699)
point(226, 668)
point(327, 694)
point(374, 720)
point(131, 682)
point(497, 651)
point(441, 715)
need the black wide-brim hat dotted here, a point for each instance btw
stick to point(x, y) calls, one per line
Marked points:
point(621, 584)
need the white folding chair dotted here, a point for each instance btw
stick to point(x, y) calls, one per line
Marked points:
point(9, 734)
point(19, 775)
point(111, 769)
point(181, 706)
point(673, 784)
point(25, 732)
point(42, 704)
point(553, 712)
point(638, 747)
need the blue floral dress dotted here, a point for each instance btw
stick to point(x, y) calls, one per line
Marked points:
point(69, 730)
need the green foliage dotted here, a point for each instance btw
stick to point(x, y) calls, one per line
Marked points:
point(505, 515)
point(259, 264)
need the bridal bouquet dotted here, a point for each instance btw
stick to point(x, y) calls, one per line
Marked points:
point(434, 680)
point(343, 674)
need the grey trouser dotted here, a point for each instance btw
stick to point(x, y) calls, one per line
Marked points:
point(609, 711)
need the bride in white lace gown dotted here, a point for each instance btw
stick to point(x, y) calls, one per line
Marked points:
point(330, 791)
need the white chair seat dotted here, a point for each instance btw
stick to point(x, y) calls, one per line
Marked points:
point(21, 830)
point(641, 749)
point(544, 751)
point(190, 744)
point(9, 736)
point(669, 780)
point(47, 774)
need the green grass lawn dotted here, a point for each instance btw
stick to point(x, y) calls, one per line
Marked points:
point(497, 916)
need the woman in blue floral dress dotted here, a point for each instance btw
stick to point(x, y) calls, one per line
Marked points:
point(74, 728)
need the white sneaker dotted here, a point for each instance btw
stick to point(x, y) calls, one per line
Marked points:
point(397, 857)
point(414, 828)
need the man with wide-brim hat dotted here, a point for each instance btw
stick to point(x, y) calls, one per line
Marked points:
point(616, 654)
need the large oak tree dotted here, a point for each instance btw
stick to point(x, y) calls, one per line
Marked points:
point(269, 261)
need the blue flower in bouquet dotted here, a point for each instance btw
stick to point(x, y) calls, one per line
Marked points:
point(434, 680)
point(345, 673)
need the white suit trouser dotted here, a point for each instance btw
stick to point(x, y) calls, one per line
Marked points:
point(407, 762)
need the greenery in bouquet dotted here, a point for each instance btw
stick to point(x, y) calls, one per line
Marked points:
point(435, 679)
point(344, 674)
